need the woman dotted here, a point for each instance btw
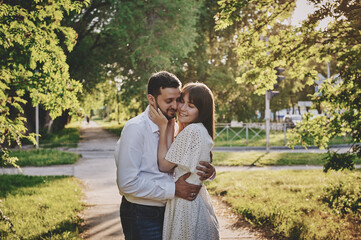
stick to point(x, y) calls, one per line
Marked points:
point(188, 219)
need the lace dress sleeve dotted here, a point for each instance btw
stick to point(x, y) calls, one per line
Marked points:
point(185, 151)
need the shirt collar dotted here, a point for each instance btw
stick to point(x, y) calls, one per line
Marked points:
point(153, 126)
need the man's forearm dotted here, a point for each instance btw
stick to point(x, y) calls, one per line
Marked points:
point(145, 188)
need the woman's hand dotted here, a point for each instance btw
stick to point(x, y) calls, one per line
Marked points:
point(157, 117)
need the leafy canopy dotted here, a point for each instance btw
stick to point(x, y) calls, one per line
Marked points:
point(32, 60)
point(129, 40)
point(295, 48)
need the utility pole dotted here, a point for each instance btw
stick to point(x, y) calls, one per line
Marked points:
point(267, 116)
point(269, 95)
point(37, 125)
point(37, 121)
point(328, 70)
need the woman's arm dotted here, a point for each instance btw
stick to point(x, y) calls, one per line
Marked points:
point(166, 130)
point(165, 140)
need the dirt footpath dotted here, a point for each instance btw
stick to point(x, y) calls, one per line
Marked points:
point(97, 170)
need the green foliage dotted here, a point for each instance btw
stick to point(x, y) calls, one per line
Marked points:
point(343, 193)
point(214, 62)
point(262, 40)
point(127, 41)
point(32, 60)
point(339, 161)
point(40, 207)
point(194, 51)
point(307, 135)
point(6, 221)
point(296, 48)
point(292, 203)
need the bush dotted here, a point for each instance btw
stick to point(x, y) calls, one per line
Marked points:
point(339, 161)
point(343, 194)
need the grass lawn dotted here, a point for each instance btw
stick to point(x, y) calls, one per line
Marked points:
point(40, 207)
point(67, 137)
point(43, 157)
point(295, 204)
point(271, 158)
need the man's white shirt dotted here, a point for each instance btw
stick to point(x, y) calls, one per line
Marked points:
point(138, 176)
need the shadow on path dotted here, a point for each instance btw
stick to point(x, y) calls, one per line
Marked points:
point(97, 171)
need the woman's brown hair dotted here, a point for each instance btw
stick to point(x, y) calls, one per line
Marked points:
point(202, 97)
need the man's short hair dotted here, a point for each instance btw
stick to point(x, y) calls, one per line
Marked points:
point(163, 80)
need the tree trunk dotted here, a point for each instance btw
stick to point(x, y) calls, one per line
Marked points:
point(60, 122)
point(46, 124)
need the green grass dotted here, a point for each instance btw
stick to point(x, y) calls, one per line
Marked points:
point(67, 137)
point(43, 157)
point(272, 158)
point(295, 204)
point(40, 207)
point(258, 138)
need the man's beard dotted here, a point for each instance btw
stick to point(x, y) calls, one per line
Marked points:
point(165, 113)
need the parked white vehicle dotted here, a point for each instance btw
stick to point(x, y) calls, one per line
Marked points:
point(292, 120)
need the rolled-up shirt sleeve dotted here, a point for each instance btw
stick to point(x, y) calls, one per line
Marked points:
point(128, 157)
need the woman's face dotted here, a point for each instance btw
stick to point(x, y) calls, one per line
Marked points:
point(187, 111)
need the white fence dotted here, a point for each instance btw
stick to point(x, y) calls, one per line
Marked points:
point(233, 131)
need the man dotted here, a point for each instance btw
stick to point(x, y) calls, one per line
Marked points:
point(144, 188)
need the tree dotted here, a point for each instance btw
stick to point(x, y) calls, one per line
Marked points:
point(264, 27)
point(208, 56)
point(214, 62)
point(295, 48)
point(129, 40)
point(340, 97)
point(33, 62)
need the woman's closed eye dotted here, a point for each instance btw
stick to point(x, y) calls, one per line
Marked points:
point(191, 105)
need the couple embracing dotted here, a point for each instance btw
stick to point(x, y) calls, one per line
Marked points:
point(161, 164)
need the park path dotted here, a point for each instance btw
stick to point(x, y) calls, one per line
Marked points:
point(97, 171)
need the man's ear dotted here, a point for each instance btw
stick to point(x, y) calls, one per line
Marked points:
point(151, 100)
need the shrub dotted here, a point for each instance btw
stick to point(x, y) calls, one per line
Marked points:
point(339, 161)
point(343, 194)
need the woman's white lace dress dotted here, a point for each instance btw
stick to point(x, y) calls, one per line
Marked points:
point(196, 219)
